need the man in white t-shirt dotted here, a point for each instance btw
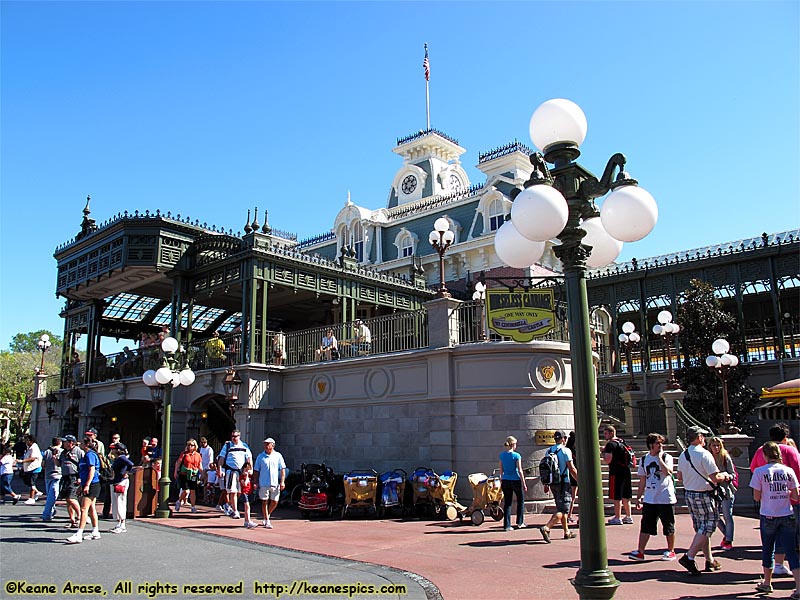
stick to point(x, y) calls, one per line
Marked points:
point(233, 456)
point(206, 458)
point(656, 497)
point(269, 478)
point(698, 471)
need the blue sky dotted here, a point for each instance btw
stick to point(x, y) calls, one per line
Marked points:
point(211, 108)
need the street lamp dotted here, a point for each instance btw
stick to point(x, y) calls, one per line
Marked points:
point(668, 330)
point(44, 344)
point(627, 339)
point(51, 402)
point(478, 295)
point(440, 238)
point(721, 363)
point(173, 372)
point(559, 203)
point(231, 384)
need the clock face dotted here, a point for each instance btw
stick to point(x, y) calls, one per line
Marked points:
point(409, 184)
point(455, 183)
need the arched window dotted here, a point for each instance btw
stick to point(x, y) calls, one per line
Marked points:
point(344, 238)
point(406, 247)
point(358, 241)
point(496, 214)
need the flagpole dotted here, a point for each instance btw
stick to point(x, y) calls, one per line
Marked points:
point(427, 68)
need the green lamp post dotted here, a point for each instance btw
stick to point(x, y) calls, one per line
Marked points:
point(558, 203)
point(173, 372)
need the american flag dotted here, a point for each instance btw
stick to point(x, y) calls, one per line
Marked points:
point(426, 65)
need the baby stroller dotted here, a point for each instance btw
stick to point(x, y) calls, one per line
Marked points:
point(445, 503)
point(360, 490)
point(423, 481)
point(391, 491)
point(487, 495)
point(317, 495)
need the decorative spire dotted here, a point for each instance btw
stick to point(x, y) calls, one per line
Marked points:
point(88, 225)
point(266, 228)
point(255, 224)
point(348, 203)
point(247, 228)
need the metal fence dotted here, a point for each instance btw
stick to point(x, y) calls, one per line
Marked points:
point(474, 326)
point(650, 417)
point(609, 400)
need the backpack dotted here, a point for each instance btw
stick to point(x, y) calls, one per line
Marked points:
point(106, 472)
point(549, 473)
point(630, 460)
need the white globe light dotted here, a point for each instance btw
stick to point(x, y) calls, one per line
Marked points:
point(480, 287)
point(164, 375)
point(514, 249)
point(558, 120)
point(605, 249)
point(45, 338)
point(674, 328)
point(540, 212)
point(623, 338)
point(449, 236)
point(149, 378)
point(441, 224)
point(720, 346)
point(635, 337)
point(734, 360)
point(658, 329)
point(725, 359)
point(433, 238)
point(713, 362)
point(187, 377)
point(170, 344)
point(664, 317)
point(628, 327)
point(629, 213)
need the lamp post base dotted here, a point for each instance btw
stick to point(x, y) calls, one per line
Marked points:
point(162, 513)
point(595, 585)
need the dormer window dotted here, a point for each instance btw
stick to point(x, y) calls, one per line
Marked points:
point(358, 241)
point(406, 247)
point(496, 214)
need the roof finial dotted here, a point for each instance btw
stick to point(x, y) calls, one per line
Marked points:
point(247, 228)
point(348, 203)
point(88, 224)
point(255, 224)
point(266, 228)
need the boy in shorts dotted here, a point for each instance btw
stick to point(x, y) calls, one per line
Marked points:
point(246, 485)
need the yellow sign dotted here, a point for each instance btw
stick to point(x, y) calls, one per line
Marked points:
point(544, 437)
point(521, 316)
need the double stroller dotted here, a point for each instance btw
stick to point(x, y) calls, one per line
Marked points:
point(360, 491)
point(318, 492)
point(434, 494)
point(487, 495)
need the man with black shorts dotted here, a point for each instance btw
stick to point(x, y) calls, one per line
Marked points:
point(89, 477)
point(69, 460)
point(562, 492)
point(656, 497)
point(620, 490)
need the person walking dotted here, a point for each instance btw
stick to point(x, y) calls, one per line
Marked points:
point(122, 466)
point(232, 458)
point(31, 463)
point(7, 475)
point(270, 479)
point(562, 492)
point(620, 489)
point(512, 481)
point(52, 478)
point(187, 472)
point(71, 456)
point(775, 485)
point(725, 464)
point(656, 497)
point(699, 473)
point(571, 440)
point(105, 494)
point(89, 478)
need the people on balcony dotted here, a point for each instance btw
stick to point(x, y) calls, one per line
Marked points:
point(363, 338)
point(278, 348)
point(215, 351)
point(329, 348)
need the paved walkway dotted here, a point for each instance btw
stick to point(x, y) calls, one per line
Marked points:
point(467, 562)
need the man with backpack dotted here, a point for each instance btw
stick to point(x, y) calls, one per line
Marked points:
point(233, 456)
point(619, 458)
point(555, 470)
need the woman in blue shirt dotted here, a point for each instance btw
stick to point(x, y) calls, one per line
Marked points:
point(512, 481)
point(89, 476)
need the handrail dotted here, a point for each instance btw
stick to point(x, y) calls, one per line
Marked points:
point(685, 420)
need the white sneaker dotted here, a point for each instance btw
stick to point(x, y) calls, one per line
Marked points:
point(226, 508)
point(250, 525)
point(221, 509)
point(264, 523)
point(95, 535)
point(178, 506)
point(75, 538)
point(268, 525)
point(780, 569)
point(628, 520)
point(37, 495)
point(194, 509)
point(116, 529)
point(30, 501)
point(236, 515)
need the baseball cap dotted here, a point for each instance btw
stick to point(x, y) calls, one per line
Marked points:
point(120, 446)
point(693, 431)
point(69, 438)
point(91, 430)
point(559, 435)
point(269, 441)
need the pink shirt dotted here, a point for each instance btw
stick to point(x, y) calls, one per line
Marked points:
point(789, 454)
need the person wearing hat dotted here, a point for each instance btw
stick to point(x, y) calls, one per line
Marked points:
point(91, 433)
point(122, 466)
point(363, 337)
point(71, 455)
point(699, 471)
point(270, 479)
point(562, 493)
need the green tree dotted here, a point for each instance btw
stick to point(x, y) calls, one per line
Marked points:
point(702, 321)
point(18, 367)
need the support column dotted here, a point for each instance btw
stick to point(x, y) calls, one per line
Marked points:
point(631, 399)
point(738, 446)
point(443, 322)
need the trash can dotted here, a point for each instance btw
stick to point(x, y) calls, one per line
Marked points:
point(142, 493)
